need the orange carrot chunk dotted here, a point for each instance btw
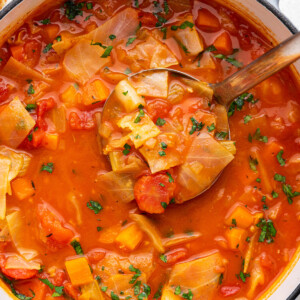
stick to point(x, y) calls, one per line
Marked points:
point(223, 43)
point(22, 188)
point(207, 21)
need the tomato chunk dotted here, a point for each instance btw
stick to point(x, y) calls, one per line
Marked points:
point(53, 227)
point(147, 19)
point(44, 106)
point(174, 256)
point(16, 273)
point(227, 291)
point(4, 92)
point(153, 193)
point(82, 121)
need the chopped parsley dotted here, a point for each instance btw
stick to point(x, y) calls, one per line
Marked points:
point(211, 48)
point(274, 194)
point(99, 228)
point(140, 115)
point(221, 135)
point(221, 278)
point(280, 159)
point(114, 296)
point(170, 177)
point(279, 178)
point(188, 296)
point(57, 290)
point(49, 167)
point(126, 150)
point(196, 126)
point(95, 206)
point(47, 48)
point(30, 90)
point(268, 231)
point(177, 290)
point(160, 20)
point(160, 122)
point(30, 106)
point(45, 21)
point(184, 48)
point(287, 189)
point(211, 127)
point(162, 153)
point(112, 37)
point(137, 274)
point(107, 51)
point(163, 258)
point(163, 145)
point(77, 247)
point(127, 71)
point(230, 59)
point(239, 102)
point(242, 276)
point(58, 38)
point(166, 7)
point(164, 31)
point(125, 93)
point(164, 204)
point(136, 3)
point(257, 136)
point(72, 10)
point(130, 41)
point(89, 5)
point(247, 119)
point(183, 25)
point(253, 162)
point(104, 288)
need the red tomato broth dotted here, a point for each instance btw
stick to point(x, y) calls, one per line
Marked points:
point(77, 163)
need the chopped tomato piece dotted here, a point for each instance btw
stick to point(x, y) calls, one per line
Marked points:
point(147, 19)
point(44, 106)
point(4, 92)
point(174, 256)
point(84, 121)
point(227, 291)
point(71, 291)
point(60, 278)
point(153, 193)
point(223, 43)
point(32, 52)
point(53, 226)
point(37, 137)
point(158, 108)
point(16, 273)
point(95, 256)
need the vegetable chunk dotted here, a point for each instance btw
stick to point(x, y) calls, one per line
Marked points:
point(5, 164)
point(16, 123)
point(205, 269)
point(142, 127)
point(79, 271)
point(84, 60)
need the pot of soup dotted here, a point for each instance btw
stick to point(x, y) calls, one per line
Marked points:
point(98, 205)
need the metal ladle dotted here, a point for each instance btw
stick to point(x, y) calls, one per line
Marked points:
point(238, 83)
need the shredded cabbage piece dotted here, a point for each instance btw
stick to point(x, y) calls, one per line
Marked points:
point(18, 262)
point(204, 269)
point(5, 164)
point(16, 124)
point(84, 60)
point(162, 152)
point(16, 70)
point(189, 37)
point(146, 225)
point(122, 25)
point(205, 159)
point(91, 291)
point(125, 164)
point(118, 186)
point(24, 243)
point(141, 131)
point(179, 239)
point(152, 84)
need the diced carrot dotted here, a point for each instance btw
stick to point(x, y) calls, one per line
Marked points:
point(236, 238)
point(207, 21)
point(242, 216)
point(22, 188)
point(129, 238)
point(223, 43)
point(50, 141)
point(94, 92)
point(71, 97)
point(79, 271)
point(50, 32)
point(17, 52)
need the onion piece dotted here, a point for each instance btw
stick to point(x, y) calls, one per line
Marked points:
point(5, 164)
point(18, 262)
point(179, 239)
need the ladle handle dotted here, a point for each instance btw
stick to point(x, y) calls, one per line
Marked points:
point(260, 69)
